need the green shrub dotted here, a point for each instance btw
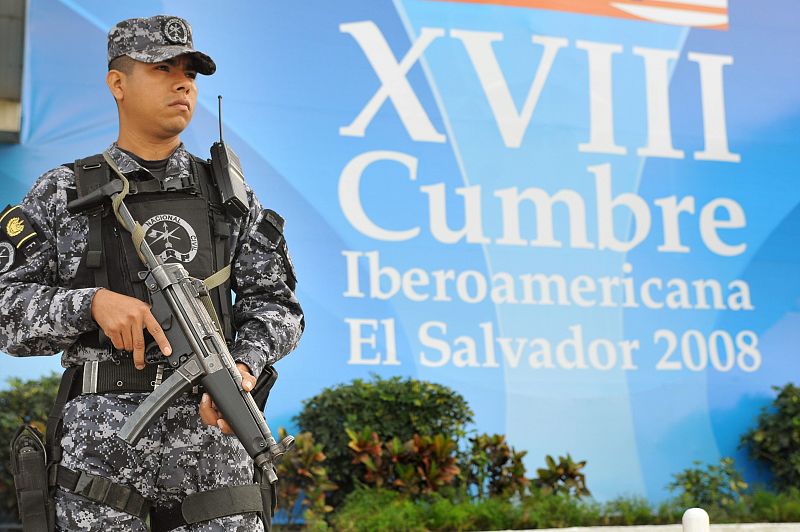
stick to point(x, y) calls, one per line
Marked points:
point(628, 511)
point(564, 476)
point(715, 488)
point(557, 510)
point(377, 509)
point(769, 507)
point(492, 467)
point(391, 407)
point(381, 509)
point(28, 401)
point(775, 441)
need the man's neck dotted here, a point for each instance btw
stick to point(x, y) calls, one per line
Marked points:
point(147, 148)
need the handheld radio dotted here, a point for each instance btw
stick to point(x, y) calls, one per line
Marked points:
point(227, 170)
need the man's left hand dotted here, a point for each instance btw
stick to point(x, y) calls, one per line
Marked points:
point(208, 410)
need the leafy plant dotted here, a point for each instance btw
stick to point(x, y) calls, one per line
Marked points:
point(368, 449)
point(392, 407)
point(434, 462)
point(493, 468)
point(564, 476)
point(24, 401)
point(304, 479)
point(775, 440)
point(715, 487)
point(421, 465)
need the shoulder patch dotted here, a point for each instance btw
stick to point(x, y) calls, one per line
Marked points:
point(271, 227)
point(7, 256)
point(17, 230)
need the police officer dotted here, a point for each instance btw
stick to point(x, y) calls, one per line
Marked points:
point(66, 277)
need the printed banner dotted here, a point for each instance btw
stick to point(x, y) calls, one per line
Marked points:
point(581, 215)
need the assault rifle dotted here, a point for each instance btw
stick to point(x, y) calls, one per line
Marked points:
point(200, 355)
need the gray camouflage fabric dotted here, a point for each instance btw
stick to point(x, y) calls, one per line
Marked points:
point(177, 456)
point(42, 316)
point(156, 39)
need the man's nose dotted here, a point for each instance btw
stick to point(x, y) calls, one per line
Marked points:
point(182, 83)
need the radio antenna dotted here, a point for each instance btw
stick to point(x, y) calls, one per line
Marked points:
point(219, 103)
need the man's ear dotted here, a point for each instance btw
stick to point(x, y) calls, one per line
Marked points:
point(116, 81)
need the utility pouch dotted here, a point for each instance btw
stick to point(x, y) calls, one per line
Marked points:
point(29, 466)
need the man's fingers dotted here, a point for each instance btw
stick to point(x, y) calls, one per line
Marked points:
point(208, 413)
point(248, 380)
point(210, 416)
point(224, 427)
point(138, 346)
point(158, 334)
point(127, 340)
point(116, 340)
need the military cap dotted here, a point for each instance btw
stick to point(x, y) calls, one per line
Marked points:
point(155, 39)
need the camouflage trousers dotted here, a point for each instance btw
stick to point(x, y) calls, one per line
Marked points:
point(178, 455)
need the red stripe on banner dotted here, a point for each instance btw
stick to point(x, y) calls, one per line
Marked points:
point(702, 14)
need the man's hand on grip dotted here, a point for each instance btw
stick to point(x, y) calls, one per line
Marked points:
point(123, 319)
point(208, 410)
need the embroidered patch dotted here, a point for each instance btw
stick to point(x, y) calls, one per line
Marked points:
point(171, 237)
point(17, 229)
point(175, 31)
point(7, 256)
point(15, 226)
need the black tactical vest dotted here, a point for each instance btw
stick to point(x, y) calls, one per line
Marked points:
point(184, 223)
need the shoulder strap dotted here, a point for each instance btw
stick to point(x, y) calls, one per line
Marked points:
point(91, 173)
point(221, 226)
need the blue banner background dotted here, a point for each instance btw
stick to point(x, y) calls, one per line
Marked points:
point(291, 78)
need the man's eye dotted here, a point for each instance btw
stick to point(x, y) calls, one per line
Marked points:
point(165, 68)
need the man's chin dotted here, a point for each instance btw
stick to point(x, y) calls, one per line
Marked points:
point(175, 127)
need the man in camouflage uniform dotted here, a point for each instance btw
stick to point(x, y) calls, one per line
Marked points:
point(152, 66)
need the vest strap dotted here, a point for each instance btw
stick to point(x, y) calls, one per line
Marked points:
point(94, 251)
point(217, 278)
point(222, 232)
point(90, 176)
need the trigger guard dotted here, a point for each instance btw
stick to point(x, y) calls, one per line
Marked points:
point(153, 354)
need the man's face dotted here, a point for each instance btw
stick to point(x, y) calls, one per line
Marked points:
point(159, 98)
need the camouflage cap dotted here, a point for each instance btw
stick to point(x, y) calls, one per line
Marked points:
point(155, 39)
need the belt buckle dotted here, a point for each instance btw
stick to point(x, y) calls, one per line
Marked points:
point(90, 377)
point(159, 376)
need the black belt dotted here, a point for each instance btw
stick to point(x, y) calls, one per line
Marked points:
point(121, 376)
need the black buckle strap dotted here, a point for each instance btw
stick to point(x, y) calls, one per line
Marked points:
point(102, 490)
point(94, 252)
point(229, 500)
point(207, 505)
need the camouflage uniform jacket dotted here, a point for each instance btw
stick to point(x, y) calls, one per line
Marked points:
point(42, 315)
